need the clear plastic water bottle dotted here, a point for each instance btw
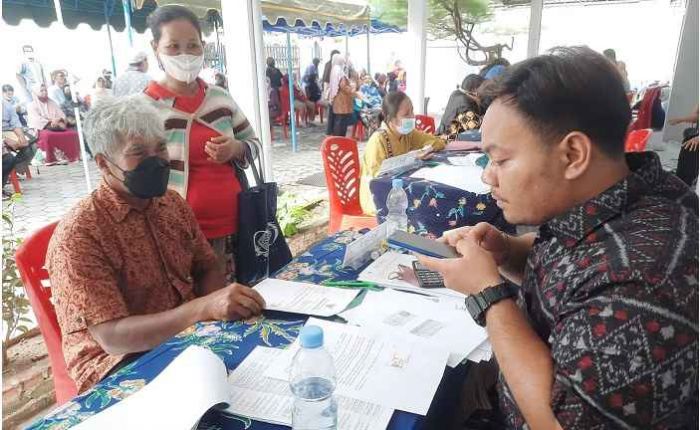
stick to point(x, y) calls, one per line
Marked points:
point(396, 204)
point(312, 380)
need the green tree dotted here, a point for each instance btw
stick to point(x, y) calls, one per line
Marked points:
point(448, 19)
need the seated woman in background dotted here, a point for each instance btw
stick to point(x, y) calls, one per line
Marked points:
point(301, 103)
point(371, 104)
point(397, 136)
point(44, 113)
point(463, 111)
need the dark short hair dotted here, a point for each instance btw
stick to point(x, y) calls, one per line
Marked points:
point(471, 82)
point(165, 14)
point(7, 87)
point(568, 89)
point(391, 105)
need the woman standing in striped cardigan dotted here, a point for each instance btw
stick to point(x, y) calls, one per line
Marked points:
point(207, 134)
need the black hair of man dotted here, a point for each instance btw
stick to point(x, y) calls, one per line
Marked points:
point(7, 88)
point(610, 54)
point(169, 13)
point(568, 89)
point(471, 82)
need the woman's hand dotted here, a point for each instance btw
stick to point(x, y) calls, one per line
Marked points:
point(692, 144)
point(223, 149)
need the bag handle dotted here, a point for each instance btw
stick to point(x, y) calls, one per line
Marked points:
point(256, 173)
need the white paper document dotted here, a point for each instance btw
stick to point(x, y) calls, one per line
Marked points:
point(467, 178)
point(176, 399)
point(440, 322)
point(270, 400)
point(384, 270)
point(399, 162)
point(391, 371)
point(482, 353)
point(360, 249)
point(304, 298)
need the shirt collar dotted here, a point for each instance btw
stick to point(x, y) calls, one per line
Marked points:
point(575, 224)
point(117, 207)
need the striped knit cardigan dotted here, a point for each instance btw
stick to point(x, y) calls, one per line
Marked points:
point(217, 111)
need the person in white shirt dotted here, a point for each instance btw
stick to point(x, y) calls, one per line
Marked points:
point(135, 79)
point(30, 73)
point(56, 90)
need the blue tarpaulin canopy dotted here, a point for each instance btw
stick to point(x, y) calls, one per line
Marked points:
point(329, 30)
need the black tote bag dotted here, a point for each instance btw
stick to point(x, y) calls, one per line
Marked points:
point(261, 248)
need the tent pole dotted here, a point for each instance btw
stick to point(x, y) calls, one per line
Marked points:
point(369, 70)
point(109, 38)
point(127, 21)
point(290, 82)
point(74, 95)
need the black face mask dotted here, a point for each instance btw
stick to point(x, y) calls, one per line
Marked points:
point(149, 179)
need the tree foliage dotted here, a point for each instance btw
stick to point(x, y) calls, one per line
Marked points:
point(448, 19)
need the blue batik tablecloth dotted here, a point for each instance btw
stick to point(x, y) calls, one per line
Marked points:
point(232, 342)
point(434, 207)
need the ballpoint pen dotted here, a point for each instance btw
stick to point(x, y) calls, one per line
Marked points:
point(352, 284)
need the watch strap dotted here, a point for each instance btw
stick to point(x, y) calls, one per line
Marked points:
point(478, 304)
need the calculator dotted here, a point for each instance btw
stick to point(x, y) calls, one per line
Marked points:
point(427, 278)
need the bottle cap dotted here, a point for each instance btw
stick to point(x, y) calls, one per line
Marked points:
point(397, 183)
point(311, 336)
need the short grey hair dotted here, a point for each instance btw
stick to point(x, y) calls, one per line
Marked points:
point(114, 120)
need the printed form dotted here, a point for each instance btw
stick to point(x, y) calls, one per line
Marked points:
point(270, 400)
point(392, 371)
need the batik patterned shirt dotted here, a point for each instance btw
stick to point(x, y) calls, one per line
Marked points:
point(107, 261)
point(612, 287)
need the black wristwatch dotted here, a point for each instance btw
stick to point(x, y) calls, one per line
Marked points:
point(478, 304)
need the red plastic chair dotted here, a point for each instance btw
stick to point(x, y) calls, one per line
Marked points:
point(425, 124)
point(15, 182)
point(341, 164)
point(637, 140)
point(30, 257)
point(358, 131)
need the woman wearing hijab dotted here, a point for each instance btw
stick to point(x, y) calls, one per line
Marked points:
point(341, 96)
point(60, 143)
point(209, 138)
point(44, 113)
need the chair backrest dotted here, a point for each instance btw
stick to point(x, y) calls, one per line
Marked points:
point(341, 164)
point(637, 140)
point(425, 124)
point(30, 258)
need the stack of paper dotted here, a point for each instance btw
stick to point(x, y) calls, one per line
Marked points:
point(270, 400)
point(176, 399)
point(304, 298)
point(433, 322)
point(482, 353)
point(383, 271)
point(392, 371)
point(467, 178)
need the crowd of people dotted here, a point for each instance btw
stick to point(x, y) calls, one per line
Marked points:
point(593, 320)
point(349, 96)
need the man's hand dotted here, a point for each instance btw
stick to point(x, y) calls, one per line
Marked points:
point(692, 144)
point(233, 302)
point(473, 272)
point(486, 235)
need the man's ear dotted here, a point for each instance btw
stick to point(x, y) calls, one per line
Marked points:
point(575, 152)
